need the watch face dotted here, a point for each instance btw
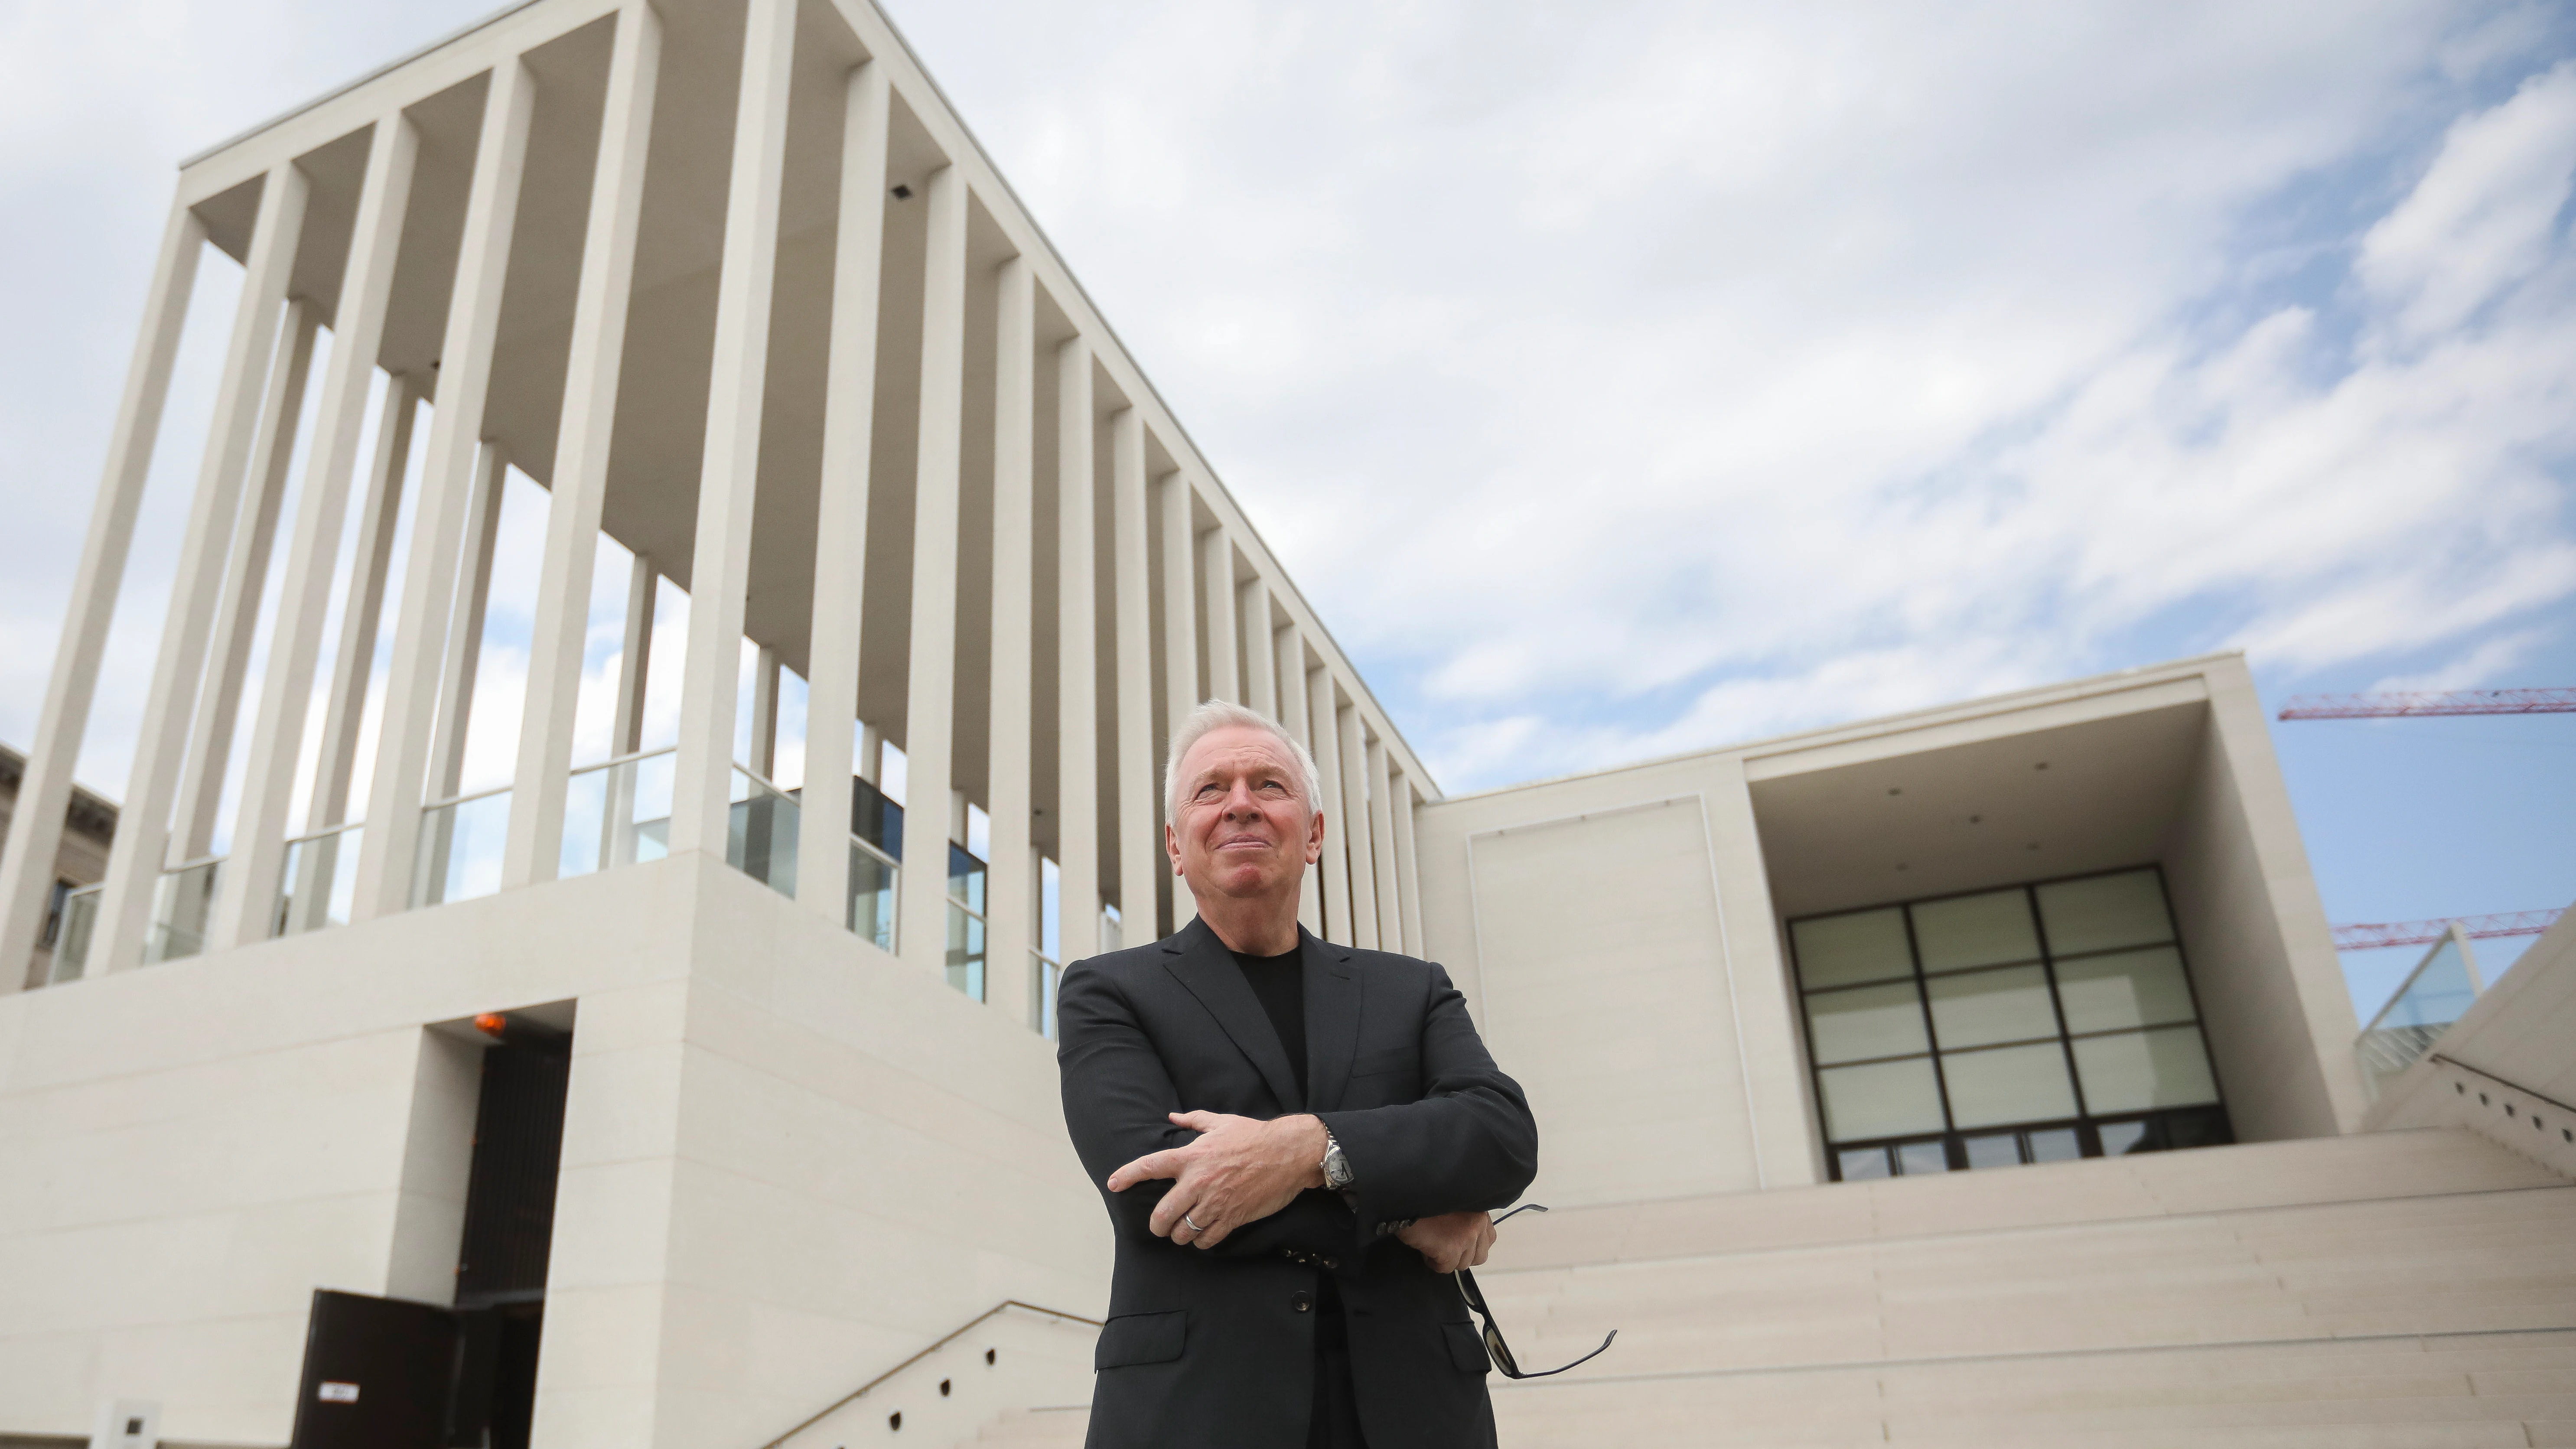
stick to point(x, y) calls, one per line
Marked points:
point(1337, 1168)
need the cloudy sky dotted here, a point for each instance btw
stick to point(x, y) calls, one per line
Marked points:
point(1627, 378)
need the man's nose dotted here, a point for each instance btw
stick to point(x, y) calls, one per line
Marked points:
point(1239, 801)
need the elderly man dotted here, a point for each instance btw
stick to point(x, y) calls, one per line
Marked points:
point(1298, 1142)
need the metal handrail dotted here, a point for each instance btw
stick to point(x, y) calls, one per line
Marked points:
point(952, 1336)
point(327, 830)
point(871, 847)
point(2499, 1081)
point(627, 759)
point(467, 799)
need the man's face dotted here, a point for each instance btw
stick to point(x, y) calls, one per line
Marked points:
point(1245, 829)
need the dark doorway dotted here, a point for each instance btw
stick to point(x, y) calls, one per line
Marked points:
point(376, 1374)
point(509, 1223)
point(385, 1373)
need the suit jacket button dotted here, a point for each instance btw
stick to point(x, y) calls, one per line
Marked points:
point(1302, 1302)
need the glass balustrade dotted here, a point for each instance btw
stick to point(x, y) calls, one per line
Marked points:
point(872, 894)
point(460, 848)
point(760, 832)
point(71, 947)
point(183, 906)
point(320, 881)
point(2434, 995)
point(1044, 979)
point(618, 813)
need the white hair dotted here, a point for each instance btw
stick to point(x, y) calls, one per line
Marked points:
point(1217, 714)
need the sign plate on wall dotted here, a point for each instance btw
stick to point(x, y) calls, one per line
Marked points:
point(338, 1393)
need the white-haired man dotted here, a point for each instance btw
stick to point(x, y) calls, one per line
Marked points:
point(1297, 1142)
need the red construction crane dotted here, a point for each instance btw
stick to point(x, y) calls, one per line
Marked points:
point(2425, 933)
point(2439, 702)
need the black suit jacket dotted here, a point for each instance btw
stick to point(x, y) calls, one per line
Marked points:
point(1214, 1348)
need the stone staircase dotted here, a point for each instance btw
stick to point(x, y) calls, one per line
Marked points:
point(2399, 1289)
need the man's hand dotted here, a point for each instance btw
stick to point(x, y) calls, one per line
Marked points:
point(1241, 1170)
point(1451, 1241)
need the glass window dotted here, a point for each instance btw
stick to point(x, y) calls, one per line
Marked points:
point(2008, 1084)
point(2105, 912)
point(1847, 950)
point(2135, 1070)
point(1861, 1022)
point(2132, 988)
point(2001, 1149)
point(2121, 1138)
point(2054, 1144)
point(1986, 930)
point(1982, 1008)
point(1860, 1164)
point(1914, 1159)
point(1882, 1099)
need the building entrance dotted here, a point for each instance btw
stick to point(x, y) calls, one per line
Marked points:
point(2035, 1023)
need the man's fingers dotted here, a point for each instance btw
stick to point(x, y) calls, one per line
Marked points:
point(1166, 1163)
point(1196, 1121)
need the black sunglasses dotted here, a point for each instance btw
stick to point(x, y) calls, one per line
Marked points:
point(1499, 1351)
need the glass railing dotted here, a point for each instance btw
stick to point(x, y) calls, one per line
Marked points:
point(320, 882)
point(760, 832)
point(71, 945)
point(460, 848)
point(618, 813)
point(872, 894)
point(966, 882)
point(183, 906)
point(1044, 977)
point(2434, 995)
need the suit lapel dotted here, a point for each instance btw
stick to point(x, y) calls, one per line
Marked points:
point(1200, 962)
point(1332, 1020)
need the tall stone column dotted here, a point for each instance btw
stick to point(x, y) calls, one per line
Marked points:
point(1179, 531)
point(841, 510)
point(1408, 874)
point(1358, 857)
point(1139, 834)
point(1260, 670)
point(1290, 648)
point(395, 793)
point(1077, 687)
point(930, 701)
point(1390, 919)
point(541, 775)
point(729, 477)
point(45, 788)
point(249, 883)
point(464, 659)
point(353, 659)
point(143, 822)
point(210, 734)
point(1010, 891)
point(1216, 573)
point(1324, 738)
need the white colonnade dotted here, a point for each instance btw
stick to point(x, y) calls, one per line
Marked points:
point(1075, 546)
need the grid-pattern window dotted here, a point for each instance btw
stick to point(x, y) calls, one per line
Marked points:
point(2028, 1024)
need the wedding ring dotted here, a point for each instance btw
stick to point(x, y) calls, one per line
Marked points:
point(1194, 1227)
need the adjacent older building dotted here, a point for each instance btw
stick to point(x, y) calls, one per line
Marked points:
point(691, 1084)
point(80, 857)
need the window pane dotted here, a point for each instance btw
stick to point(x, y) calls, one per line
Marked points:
point(1883, 1099)
point(2003, 1149)
point(1867, 1021)
point(1915, 1159)
point(1986, 930)
point(2105, 912)
point(2008, 1084)
point(2133, 988)
point(2055, 1144)
point(1985, 1007)
point(2123, 1137)
point(2141, 1069)
point(1860, 1164)
point(1844, 950)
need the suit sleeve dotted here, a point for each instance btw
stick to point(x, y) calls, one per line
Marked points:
point(1117, 1104)
point(1468, 1144)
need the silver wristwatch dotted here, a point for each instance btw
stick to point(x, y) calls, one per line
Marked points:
point(1337, 1168)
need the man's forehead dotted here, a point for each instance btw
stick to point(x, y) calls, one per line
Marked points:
point(1236, 748)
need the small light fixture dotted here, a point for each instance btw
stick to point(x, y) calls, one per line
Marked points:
point(492, 1024)
point(902, 192)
